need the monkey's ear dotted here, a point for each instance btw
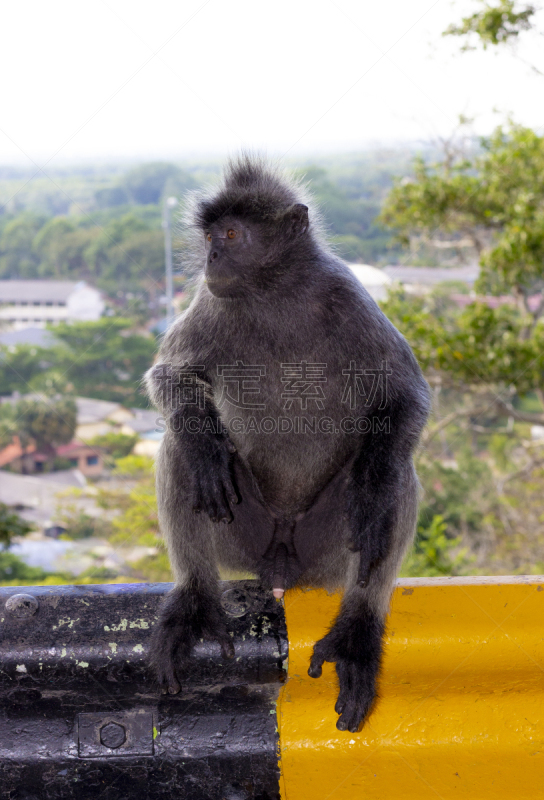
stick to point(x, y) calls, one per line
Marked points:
point(296, 219)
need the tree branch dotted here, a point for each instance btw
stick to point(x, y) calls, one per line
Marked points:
point(520, 416)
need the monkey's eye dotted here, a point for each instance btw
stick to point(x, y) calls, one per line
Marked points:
point(231, 234)
point(209, 237)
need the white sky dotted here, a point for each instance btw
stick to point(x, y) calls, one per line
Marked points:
point(133, 79)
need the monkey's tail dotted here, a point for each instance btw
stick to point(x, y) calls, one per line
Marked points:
point(281, 558)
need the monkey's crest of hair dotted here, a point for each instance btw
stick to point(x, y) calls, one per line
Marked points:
point(252, 189)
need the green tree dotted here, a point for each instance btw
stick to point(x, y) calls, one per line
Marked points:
point(146, 184)
point(137, 521)
point(17, 256)
point(46, 422)
point(104, 359)
point(484, 361)
point(434, 554)
point(496, 23)
point(128, 255)
point(20, 364)
point(492, 202)
point(118, 445)
point(11, 525)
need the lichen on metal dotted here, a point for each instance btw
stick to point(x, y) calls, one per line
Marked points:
point(460, 713)
point(83, 718)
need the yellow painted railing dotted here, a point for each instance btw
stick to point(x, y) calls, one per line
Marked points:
point(461, 708)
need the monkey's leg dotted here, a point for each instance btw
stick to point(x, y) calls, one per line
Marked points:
point(192, 611)
point(354, 642)
point(377, 480)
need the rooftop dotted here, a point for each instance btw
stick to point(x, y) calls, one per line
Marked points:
point(74, 448)
point(144, 420)
point(430, 276)
point(370, 276)
point(37, 291)
point(30, 491)
point(35, 337)
point(90, 410)
point(13, 451)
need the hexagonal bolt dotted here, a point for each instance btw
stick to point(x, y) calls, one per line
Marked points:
point(113, 735)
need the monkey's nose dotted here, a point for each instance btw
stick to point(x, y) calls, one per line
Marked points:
point(213, 255)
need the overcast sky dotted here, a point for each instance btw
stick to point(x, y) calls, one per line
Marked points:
point(167, 79)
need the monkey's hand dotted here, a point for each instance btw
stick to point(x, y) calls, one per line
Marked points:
point(186, 617)
point(354, 644)
point(212, 487)
point(208, 451)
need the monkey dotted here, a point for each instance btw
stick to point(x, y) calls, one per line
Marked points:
point(293, 408)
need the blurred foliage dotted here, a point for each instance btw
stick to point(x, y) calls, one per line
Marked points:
point(149, 183)
point(11, 525)
point(136, 520)
point(117, 445)
point(80, 525)
point(496, 198)
point(110, 233)
point(14, 572)
point(434, 554)
point(498, 22)
point(46, 422)
point(104, 359)
point(480, 467)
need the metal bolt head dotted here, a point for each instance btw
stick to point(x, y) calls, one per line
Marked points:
point(113, 735)
point(236, 602)
point(21, 605)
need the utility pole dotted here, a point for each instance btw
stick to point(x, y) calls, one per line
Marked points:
point(169, 204)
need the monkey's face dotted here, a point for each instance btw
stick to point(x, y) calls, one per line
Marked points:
point(235, 252)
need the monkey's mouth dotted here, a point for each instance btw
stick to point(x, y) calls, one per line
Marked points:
point(223, 287)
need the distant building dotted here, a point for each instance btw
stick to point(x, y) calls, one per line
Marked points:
point(421, 280)
point(142, 422)
point(149, 444)
point(16, 459)
point(375, 280)
point(35, 498)
point(25, 304)
point(98, 417)
point(34, 337)
point(149, 426)
point(88, 460)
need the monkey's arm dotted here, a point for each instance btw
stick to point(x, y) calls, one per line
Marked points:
point(375, 484)
point(192, 416)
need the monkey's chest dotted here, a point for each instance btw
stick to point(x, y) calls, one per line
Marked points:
point(288, 422)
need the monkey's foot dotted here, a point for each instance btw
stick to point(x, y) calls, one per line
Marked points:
point(355, 646)
point(169, 662)
point(185, 619)
point(356, 695)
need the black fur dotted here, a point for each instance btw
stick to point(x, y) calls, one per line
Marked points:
point(355, 644)
point(334, 508)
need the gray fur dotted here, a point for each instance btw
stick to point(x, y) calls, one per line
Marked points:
point(297, 302)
